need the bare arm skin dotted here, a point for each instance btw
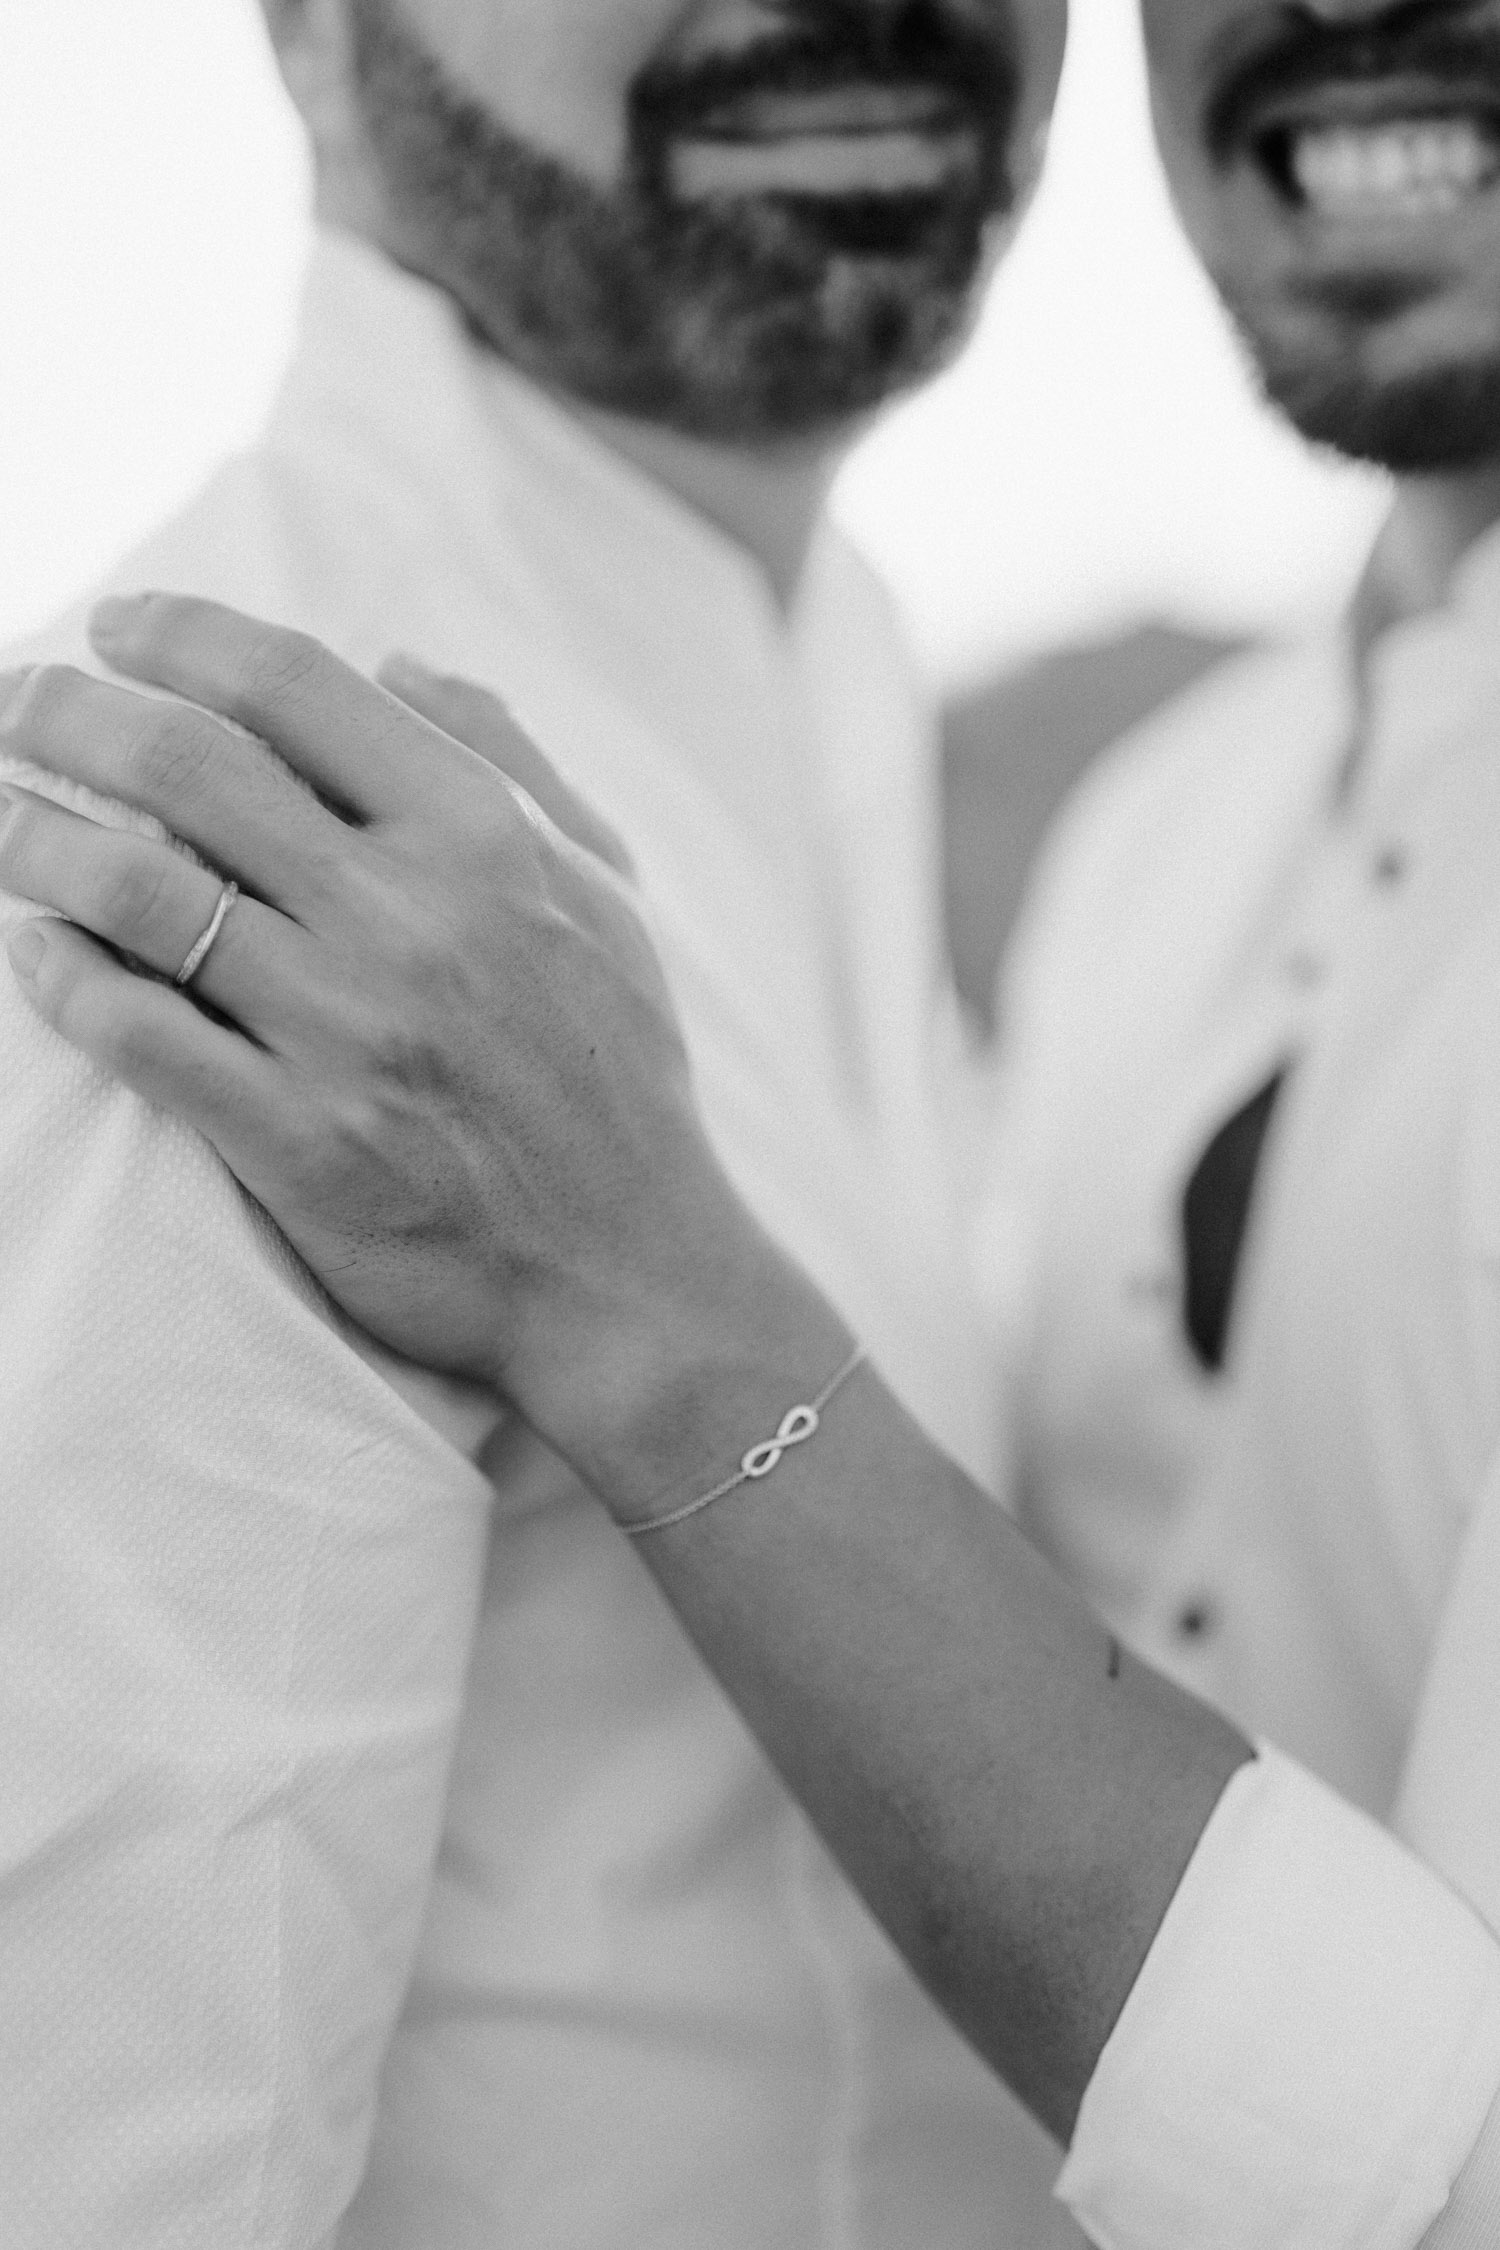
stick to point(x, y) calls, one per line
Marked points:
point(441, 1053)
point(1016, 1799)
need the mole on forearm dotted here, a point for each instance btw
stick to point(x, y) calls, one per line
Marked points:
point(1115, 1658)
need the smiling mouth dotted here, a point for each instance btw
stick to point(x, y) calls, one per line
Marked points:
point(1366, 157)
point(838, 141)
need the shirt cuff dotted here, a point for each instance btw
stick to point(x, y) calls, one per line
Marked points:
point(1310, 2051)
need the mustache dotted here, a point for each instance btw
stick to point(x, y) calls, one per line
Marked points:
point(829, 44)
point(1413, 39)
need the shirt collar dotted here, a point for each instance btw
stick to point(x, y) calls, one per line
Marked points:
point(1476, 582)
point(1376, 615)
point(587, 564)
point(523, 550)
point(1424, 687)
point(385, 358)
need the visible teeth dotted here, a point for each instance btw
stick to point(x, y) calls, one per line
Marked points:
point(1407, 168)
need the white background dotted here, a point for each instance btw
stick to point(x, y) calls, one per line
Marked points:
point(1096, 456)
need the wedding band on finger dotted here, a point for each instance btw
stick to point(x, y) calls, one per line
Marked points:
point(209, 939)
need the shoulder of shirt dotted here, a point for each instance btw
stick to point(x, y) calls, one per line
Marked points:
point(237, 539)
point(1238, 734)
point(228, 544)
point(122, 1203)
point(1188, 757)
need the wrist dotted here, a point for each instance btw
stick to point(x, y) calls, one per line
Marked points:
point(718, 1335)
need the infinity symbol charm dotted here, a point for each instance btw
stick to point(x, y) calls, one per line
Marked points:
point(796, 1428)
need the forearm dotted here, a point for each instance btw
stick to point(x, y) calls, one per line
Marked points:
point(1016, 1800)
point(1285, 2026)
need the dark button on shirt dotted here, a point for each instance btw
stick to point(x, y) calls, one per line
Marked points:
point(1197, 1619)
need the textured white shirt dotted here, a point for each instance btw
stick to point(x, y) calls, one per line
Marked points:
point(1313, 1538)
point(241, 1574)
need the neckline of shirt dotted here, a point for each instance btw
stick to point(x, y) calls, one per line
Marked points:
point(643, 594)
point(392, 348)
point(1410, 675)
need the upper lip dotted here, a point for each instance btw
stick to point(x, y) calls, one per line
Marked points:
point(850, 108)
point(1425, 64)
point(1366, 102)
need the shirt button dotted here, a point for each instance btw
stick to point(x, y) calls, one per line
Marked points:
point(1304, 969)
point(1198, 1619)
point(1390, 866)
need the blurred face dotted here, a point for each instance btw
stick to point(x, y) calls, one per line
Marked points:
point(1337, 165)
point(748, 219)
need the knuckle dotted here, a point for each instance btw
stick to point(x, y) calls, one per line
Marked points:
point(46, 696)
point(18, 834)
point(132, 893)
point(422, 941)
point(308, 1152)
point(401, 1047)
point(409, 934)
point(496, 825)
point(118, 1039)
point(396, 1027)
point(171, 752)
point(276, 666)
point(344, 888)
point(354, 1142)
point(107, 1034)
point(331, 877)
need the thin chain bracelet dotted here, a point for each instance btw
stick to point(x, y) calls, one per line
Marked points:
point(797, 1426)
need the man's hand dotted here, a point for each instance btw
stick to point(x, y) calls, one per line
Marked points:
point(431, 1037)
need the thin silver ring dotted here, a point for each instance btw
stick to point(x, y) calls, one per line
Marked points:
point(209, 939)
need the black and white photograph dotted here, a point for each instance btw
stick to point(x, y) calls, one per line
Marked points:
point(750, 1125)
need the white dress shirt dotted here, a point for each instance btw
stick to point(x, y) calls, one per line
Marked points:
point(1312, 1539)
point(646, 2013)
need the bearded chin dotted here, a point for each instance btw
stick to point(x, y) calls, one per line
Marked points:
point(1443, 421)
point(740, 321)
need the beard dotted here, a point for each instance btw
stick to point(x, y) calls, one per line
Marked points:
point(749, 319)
point(1443, 422)
point(1436, 421)
point(1443, 418)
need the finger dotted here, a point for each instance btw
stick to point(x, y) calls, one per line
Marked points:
point(475, 717)
point(348, 737)
point(152, 903)
point(152, 1039)
point(229, 797)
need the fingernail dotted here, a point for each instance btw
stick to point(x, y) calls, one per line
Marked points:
point(112, 618)
point(26, 949)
